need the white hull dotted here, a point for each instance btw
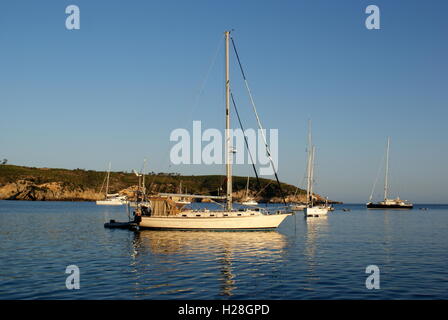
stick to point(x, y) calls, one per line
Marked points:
point(133, 204)
point(110, 202)
point(183, 202)
point(298, 207)
point(249, 203)
point(315, 211)
point(233, 222)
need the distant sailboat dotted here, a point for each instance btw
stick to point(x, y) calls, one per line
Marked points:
point(298, 207)
point(182, 200)
point(140, 193)
point(248, 201)
point(388, 203)
point(312, 210)
point(113, 199)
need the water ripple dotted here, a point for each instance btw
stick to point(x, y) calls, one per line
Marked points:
point(304, 259)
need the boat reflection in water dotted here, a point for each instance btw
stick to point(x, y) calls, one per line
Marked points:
point(316, 229)
point(208, 256)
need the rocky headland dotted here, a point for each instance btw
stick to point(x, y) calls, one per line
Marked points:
point(44, 184)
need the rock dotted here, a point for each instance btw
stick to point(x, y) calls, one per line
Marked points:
point(51, 191)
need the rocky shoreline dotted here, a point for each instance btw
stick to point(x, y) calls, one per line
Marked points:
point(28, 190)
point(47, 184)
point(50, 191)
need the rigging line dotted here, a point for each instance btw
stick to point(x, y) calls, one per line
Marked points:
point(104, 181)
point(102, 186)
point(267, 185)
point(301, 183)
point(245, 140)
point(212, 64)
point(219, 204)
point(268, 151)
point(198, 95)
point(377, 177)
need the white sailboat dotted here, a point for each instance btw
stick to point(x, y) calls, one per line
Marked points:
point(298, 207)
point(248, 201)
point(140, 193)
point(396, 203)
point(182, 200)
point(113, 199)
point(312, 210)
point(165, 214)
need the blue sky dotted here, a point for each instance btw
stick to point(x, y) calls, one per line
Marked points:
point(116, 88)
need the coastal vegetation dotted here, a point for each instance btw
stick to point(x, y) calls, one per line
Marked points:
point(30, 183)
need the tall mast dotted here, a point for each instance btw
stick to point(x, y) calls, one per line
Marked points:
point(313, 149)
point(387, 169)
point(107, 181)
point(308, 169)
point(143, 179)
point(228, 151)
point(308, 177)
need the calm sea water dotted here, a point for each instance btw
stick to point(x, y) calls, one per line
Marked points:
point(324, 258)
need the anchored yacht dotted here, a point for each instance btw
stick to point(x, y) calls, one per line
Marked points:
point(164, 213)
point(111, 199)
point(396, 203)
point(311, 209)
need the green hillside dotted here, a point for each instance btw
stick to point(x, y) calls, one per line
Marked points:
point(160, 182)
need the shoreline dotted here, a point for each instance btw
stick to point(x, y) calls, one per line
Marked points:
point(87, 200)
